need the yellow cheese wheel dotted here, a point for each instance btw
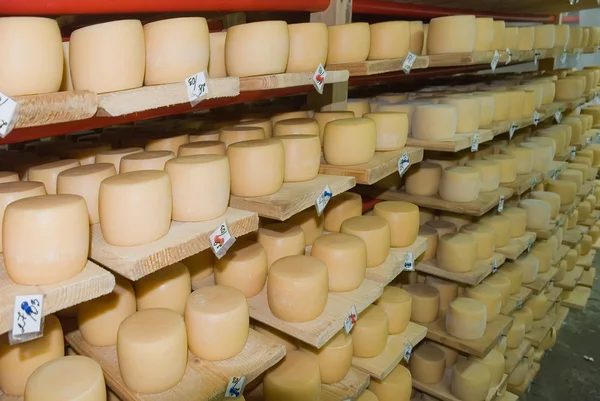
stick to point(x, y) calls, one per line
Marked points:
point(466, 318)
point(323, 117)
point(389, 39)
point(517, 377)
point(501, 105)
point(485, 236)
point(423, 179)
point(397, 304)
point(586, 245)
point(524, 156)
point(569, 89)
point(425, 302)
point(311, 224)
point(245, 259)
point(517, 103)
point(514, 274)
point(551, 198)
point(349, 141)
point(502, 284)
point(460, 184)
point(256, 167)
point(431, 236)
point(114, 156)
point(515, 335)
point(542, 155)
point(427, 364)
point(417, 37)
point(501, 225)
point(462, 28)
point(302, 157)
point(538, 213)
point(280, 240)
point(495, 362)
point(308, 46)
point(526, 38)
point(559, 136)
point(549, 340)
point(566, 189)
point(484, 34)
point(508, 166)
point(489, 173)
point(518, 221)
point(12, 191)
point(358, 106)
point(296, 378)
point(434, 121)
point(216, 59)
point(349, 43)
point(334, 358)
point(200, 148)
point(403, 219)
point(530, 265)
point(525, 316)
point(168, 287)
point(450, 354)
point(511, 37)
point(538, 305)
point(154, 160)
point(468, 110)
point(426, 215)
point(397, 386)
point(296, 126)
point(562, 35)
point(489, 296)
point(370, 332)
point(341, 208)
point(47, 173)
point(498, 42)
point(345, 256)
point(457, 252)
point(391, 129)
point(375, 231)
point(448, 291)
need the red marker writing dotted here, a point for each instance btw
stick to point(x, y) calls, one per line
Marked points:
point(219, 239)
point(319, 78)
point(353, 318)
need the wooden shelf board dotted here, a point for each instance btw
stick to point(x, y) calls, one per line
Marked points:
point(454, 144)
point(552, 227)
point(568, 209)
point(373, 67)
point(380, 166)
point(524, 182)
point(382, 365)
point(54, 108)
point(92, 282)
point(588, 277)
point(542, 280)
point(587, 260)
point(464, 59)
point(571, 279)
point(508, 396)
point(586, 190)
point(436, 331)
point(516, 301)
point(561, 316)
point(553, 295)
point(514, 356)
point(562, 252)
point(524, 388)
point(564, 155)
point(572, 237)
point(540, 329)
point(293, 197)
point(592, 220)
point(483, 268)
point(596, 245)
point(183, 239)
point(202, 380)
point(394, 264)
point(441, 389)
point(288, 80)
point(516, 246)
point(146, 98)
point(538, 355)
point(576, 299)
point(349, 388)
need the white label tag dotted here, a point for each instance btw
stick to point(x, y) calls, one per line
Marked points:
point(501, 204)
point(319, 78)
point(495, 60)
point(403, 164)
point(578, 109)
point(351, 319)
point(529, 245)
point(501, 337)
point(558, 116)
point(408, 348)
point(519, 303)
point(323, 199)
point(563, 56)
point(509, 56)
point(578, 54)
point(221, 240)
point(235, 387)
point(536, 118)
point(597, 136)
point(494, 266)
point(550, 286)
point(197, 88)
point(8, 114)
point(533, 183)
point(27, 318)
point(573, 153)
point(409, 262)
point(555, 174)
point(408, 62)
point(511, 131)
point(536, 57)
point(475, 143)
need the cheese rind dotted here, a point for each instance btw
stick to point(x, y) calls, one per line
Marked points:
point(47, 173)
point(551, 198)
point(345, 257)
point(397, 386)
point(296, 378)
point(349, 141)
point(348, 43)
point(515, 335)
point(308, 46)
point(334, 358)
point(484, 34)
point(245, 259)
point(466, 318)
point(525, 316)
point(460, 184)
point(389, 39)
point(375, 232)
point(311, 224)
point(524, 156)
point(280, 240)
point(302, 157)
point(434, 121)
point(489, 173)
point(431, 236)
point(457, 252)
point(489, 296)
point(425, 302)
point(566, 189)
point(530, 265)
point(462, 29)
point(485, 237)
point(538, 213)
point(216, 59)
point(323, 117)
point(502, 284)
point(495, 362)
point(403, 219)
point(423, 179)
point(448, 291)
point(168, 288)
point(370, 332)
point(501, 225)
point(468, 111)
point(12, 191)
point(391, 128)
point(114, 156)
point(427, 364)
point(470, 380)
point(340, 208)
point(518, 221)
point(397, 304)
point(257, 167)
point(154, 160)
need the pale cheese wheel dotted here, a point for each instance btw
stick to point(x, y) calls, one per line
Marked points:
point(403, 219)
point(461, 28)
point(549, 340)
point(56, 226)
point(417, 37)
point(408, 107)
point(499, 36)
point(154, 160)
point(427, 364)
point(390, 39)
point(47, 173)
point(524, 156)
point(511, 37)
point(484, 34)
point(571, 258)
point(152, 350)
point(489, 296)
point(434, 122)
point(525, 316)
point(431, 236)
point(525, 38)
point(391, 129)
point(358, 107)
point(576, 172)
point(544, 141)
point(466, 318)
point(200, 148)
point(8, 176)
point(489, 173)
point(485, 236)
point(280, 240)
point(514, 274)
point(397, 304)
point(345, 257)
point(348, 43)
point(501, 105)
point(460, 184)
point(308, 46)
point(123, 218)
point(543, 251)
point(423, 179)
point(457, 252)
point(538, 305)
point(450, 354)
point(370, 332)
point(425, 302)
point(235, 134)
point(569, 89)
point(334, 358)
point(288, 342)
point(168, 288)
point(544, 36)
point(341, 208)
point(448, 291)
point(349, 141)
point(572, 221)
point(323, 117)
point(397, 386)
point(19, 361)
point(551, 198)
point(517, 377)
point(302, 157)
point(502, 284)
point(457, 219)
point(376, 233)
point(508, 166)
point(13, 191)
point(516, 105)
point(247, 259)
point(530, 265)
point(586, 245)
point(296, 378)
point(518, 221)
point(468, 110)
point(114, 156)
point(495, 362)
point(256, 167)
point(538, 213)
point(176, 48)
point(297, 288)
point(442, 227)
point(216, 59)
point(296, 126)
point(311, 224)
point(108, 57)
point(594, 232)
point(542, 155)
point(501, 225)
point(263, 123)
point(267, 41)
point(583, 210)
point(566, 189)
point(561, 35)
point(515, 335)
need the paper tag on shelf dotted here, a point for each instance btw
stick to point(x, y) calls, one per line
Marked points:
point(500, 337)
point(597, 136)
point(475, 142)
point(536, 118)
point(494, 266)
point(323, 199)
point(408, 348)
point(409, 262)
point(519, 303)
point(403, 164)
point(529, 245)
point(28, 320)
point(573, 153)
point(408, 62)
point(578, 109)
point(536, 57)
point(555, 174)
point(221, 240)
point(495, 60)
point(319, 78)
point(578, 54)
point(501, 204)
point(509, 56)
point(197, 88)
point(563, 56)
point(8, 114)
point(550, 286)
point(533, 183)
point(511, 131)
point(558, 116)
point(235, 387)
point(351, 319)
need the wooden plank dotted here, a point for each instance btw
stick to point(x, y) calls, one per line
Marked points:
point(483, 268)
point(456, 143)
point(293, 197)
point(516, 246)
point(54, 108)
point(92, 282)
point(586, 260)
point(203, 380)
point(588, 277)
point(540, 329)
point(524, 182)
point(436, 331)
point(153, 97)
point(288, 80)
point(542, 280)
point(552, 227)
point(538, 355)
point(592, 220)
point(382, 365)
point(576, 299)
point(568, 209)
point(552, 295)
point(514, 356)
point(508, 396)
point(441, 389)
point(596, 245)
point(586, 190)
point(373, 67)
point(562, 252)
point(561, 316)
point(183, 239)
point(571, 279)
point(486, 201)
point(572, 237)
point(379, 167)
point(516, 301)
point(524, 388)
point(394, 264)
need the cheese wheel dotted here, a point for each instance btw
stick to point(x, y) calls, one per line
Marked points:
point(501, 225)
point(431, 236)
point(566, 189)
point(543, 251)
point(267, 41)
point(348, 43)
point(468, 111)
point(570, 88)
point(489, 296)
point(263, 123)
point(334, 358)
point(501, 105)
point(530, 265)
point(538, 305)
point(8, 176)
point(544, 141)
point(108, 57)
point(551, 198)
point(425, 302)
point(518, 221)
point(460, 184)
point(594, 232)
point(391, 129)
point(457, 252)
point(450, 354)
point(256, 167)
point(346, 259)
point(517, 377)
point(176, 48)
point(542, 155)
point(68, 378)
point(514, 274)
point(302, 157)
point(152, 350)
point(397, 305)
point(216, 59)
point(462, 29)
point(524, 156)
point(19, 361)
point(538, 213)
point(423, 179)
point(583, 210)
point(561, 35)
point(511, 37)
point(367, 395)
point(397, 386)
point(525, 316)
point(154, 160)
point(494, 361)
point(308, 46)
point(375, 231)
point(571, 259)
point(549, 340)
point(426, 215)
point(297, 288)
point(457, 219)
point(417, 37)
point(442, 227)
point(341, 208)
point(235, 134)
point(572, 221)
point(323, 117)
point(466, 318)
point(508, 166)
point(47, 173)
point(114, 156)
point(484, 34)
point(427, 364)
point(499, 34)
point(559, 137)
point(516, 105)
point(485, 237)
point(390, 39)
point(544, 36)
point(370, 332)
point(280, 240)
point(502, 284)
point(489, 173)
point(311, 224)
point(403, 219)
point(244, 258)
point(349, 141)
point(12, 191)
point(515, 335)
point(123, 219)
point(525, 38)
point(296, 126)
point(434, 121)
point(275, 335)
point(168, 288)
point(358, 107)
point(573, 175)
point(200, 265)
point(201, 148)
point(99, 319)
point(586, 245)
point(56, 226)
point(296, 378)
point(448, 291)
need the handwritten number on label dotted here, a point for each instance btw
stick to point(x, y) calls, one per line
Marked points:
point(197, 88)
point(319, 78)
point(8, 114)
point(221, 240)
point(235, 387)
point(351, 319)
point(409, 61)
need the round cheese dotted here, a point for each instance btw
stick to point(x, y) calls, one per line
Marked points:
point(485, 237)
point(216, 59)
point(280, 240)
point(375, 231)
point(152, 350)
point(348, 43)
point(448, 291)
point(511, 37)
point(263, 123)
point(154, 160)
point(302, 157)
point(19, 361)
point(489, 296)
point(542, 155)
point(517, 377)
point(349, 141)
point(549, 340)
point(571, 259)
point(525, 316)
point(530, 265)
point(273, 334)
point(569, 88)
point(495, 362)
point(489, 173)
point(576, 173)
point(245, 259)
point(508, 166)
point(108, 57)
point(310, 223)
point(176, 48)
point(551, 198)
point(168, 288)
point(544, 141)
point(341, 208)
point(434, 121)
point(47, 173)
point(8, 176)
point(431, 236)
point(586, 245)
point(442, 227)
point(359, 107)
point(425, 302)
point(397, 386)
point(367, 396)
point(267, 41)
point(450, 354)
point(390, 39)
point(457, 219)
point(200, 265)
point(501, 105)
point(427, 364)
point(201, 148)
point(461, 28)
point(123, 218)
point(561, 35)
point(256, 167)
point(499, 34)
point(566, 189)
point(543, 251)
point(515, 335)
point(466, 318)
point(516, 105)
point(296, 126)
point(594, 232)
point(572, 221)
point(518, 221)
point(460, 184)
point(559, 137)
point(524, 156)
point(370, 332)
point(334, 358)
point(468, 111)
point(397, 305)
point(346, 259)
point(323, 117)
point(501, 225)
point(514, 274)
point(235, 134)
point(525, 38)
point(544, 36)
point(417, 37)
point(538, 213)
point(296, 378)
point(114, 156)
point(584, 210)
point(13, 191)
point(423, 179)
point(403, 219)
point(308, 46)
point(500, 283)
point(538, 305)
point(484, 34)
point(391, 128)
